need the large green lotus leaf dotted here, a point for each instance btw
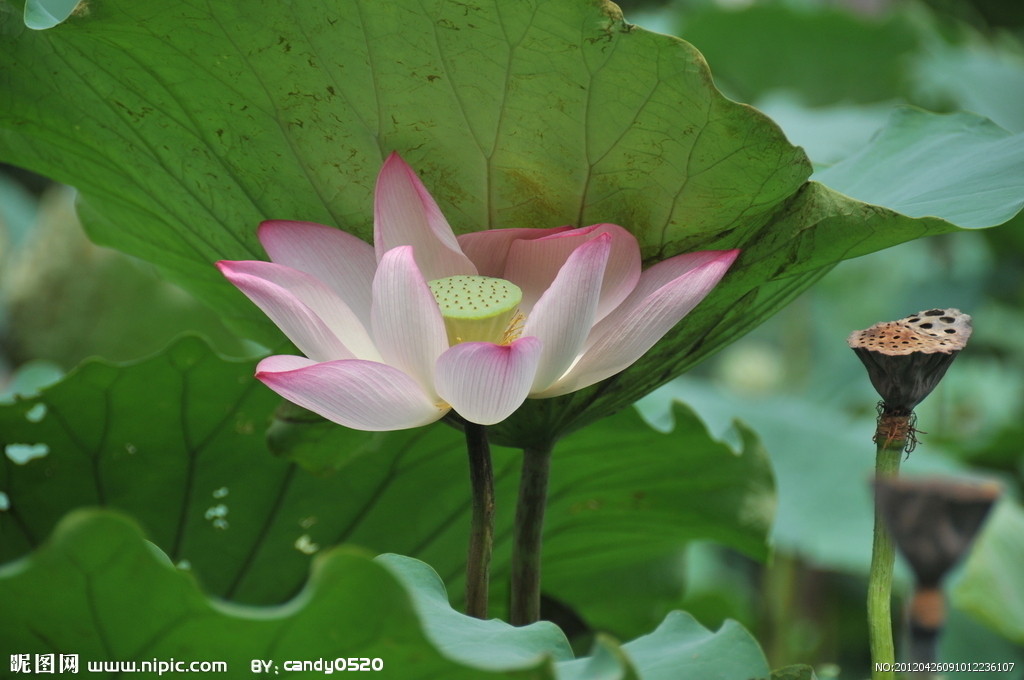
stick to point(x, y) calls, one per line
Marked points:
point(828, 134)
point(682, 648)
point(920, 164)
point(202, 120)
point(122, 600)
point(966, 169)
point(706, 488)
point(679, 646)
point(184, 124)
point(715, 323)
point(491, 644)
point(177, 441)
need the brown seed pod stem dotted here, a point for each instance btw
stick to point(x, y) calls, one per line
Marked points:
point(896, 431)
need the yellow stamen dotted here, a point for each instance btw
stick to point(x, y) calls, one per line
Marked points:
point(514, 330)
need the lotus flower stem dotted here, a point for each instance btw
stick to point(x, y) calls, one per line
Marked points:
point(891, 439)
point(526, 545)
point(481, 536)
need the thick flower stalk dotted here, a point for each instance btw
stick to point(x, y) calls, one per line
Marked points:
point(398, 333)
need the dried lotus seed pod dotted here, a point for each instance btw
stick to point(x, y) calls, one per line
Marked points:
point(934, 521)
point(934, 330)
point(907, 358)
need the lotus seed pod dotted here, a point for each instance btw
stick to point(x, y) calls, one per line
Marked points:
point(478, 308)
point(906, 359)
point(934, 521)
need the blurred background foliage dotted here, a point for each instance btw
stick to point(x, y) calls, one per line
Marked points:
point(831, 77)
point(829, 73)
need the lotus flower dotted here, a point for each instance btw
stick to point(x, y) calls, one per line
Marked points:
point(398, 333)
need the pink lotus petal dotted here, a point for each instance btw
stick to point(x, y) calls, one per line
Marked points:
point(407, 323)
point(666, 293)
point(276, 289)
point(564, 315)
point(404, 214)
point(484, 382)
point(671, 269)
point(302, 325)
point(340, 260)
point(279, 363)
point(532, 265)
point(489, 249)
point(364, 395)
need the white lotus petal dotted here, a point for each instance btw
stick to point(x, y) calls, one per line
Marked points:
point(282, 287)
point(564, 315)
point(533, 264)
point(407, 325)
point(340, 260)
point(404, 214)
point(364, 395)
point(485, 382)
point(665, 294)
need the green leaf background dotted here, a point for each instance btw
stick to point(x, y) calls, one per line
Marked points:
point(392, 608)
point(184, 124)
point(123, 601)
point(193, 122)
point(177, 441)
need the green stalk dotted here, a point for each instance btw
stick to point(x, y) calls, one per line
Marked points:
point(526, 536)
point(481, 534)
point(891, 438)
